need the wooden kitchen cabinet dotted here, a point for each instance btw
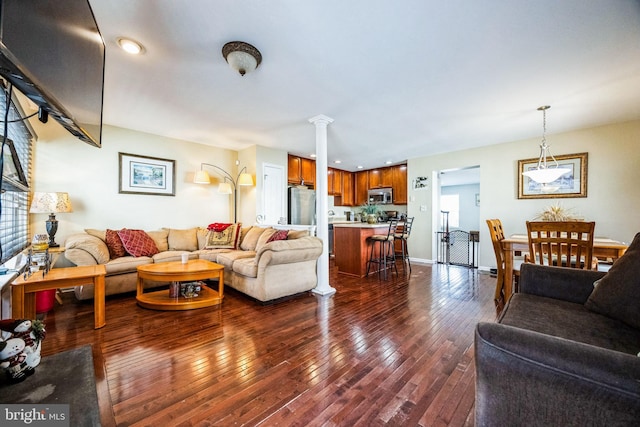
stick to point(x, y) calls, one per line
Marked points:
point(380, 178)
point(362, 188)
point(399, 184)
point(301, 171)
point(334, 182)
point(348, 189)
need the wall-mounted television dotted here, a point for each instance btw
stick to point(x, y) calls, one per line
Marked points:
point(52, 51)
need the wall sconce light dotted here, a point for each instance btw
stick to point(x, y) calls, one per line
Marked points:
point(51, 203)
point(241, 56)
point(228, 185)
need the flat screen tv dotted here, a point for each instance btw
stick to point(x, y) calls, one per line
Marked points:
point(52, 51)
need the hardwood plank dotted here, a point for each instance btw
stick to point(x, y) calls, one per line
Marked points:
point(395, 352)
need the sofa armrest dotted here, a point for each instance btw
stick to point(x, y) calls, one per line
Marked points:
point(290, 251)
point(568, 284)
point(534, 379)
point(85, 249)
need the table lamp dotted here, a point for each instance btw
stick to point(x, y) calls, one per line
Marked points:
point(51, 203)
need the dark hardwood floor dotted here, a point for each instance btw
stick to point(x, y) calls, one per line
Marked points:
point(396, 352)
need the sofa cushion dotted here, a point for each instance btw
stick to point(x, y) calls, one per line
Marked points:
point(100, 234)
point(183, 240)
point(137, 242)
point(160, 238)
point(114, 243)
point(297, 234)
point(79, 242)
point(571, 321)
point(278, 235)
point(264, 237)
point(246, 266)
point(228, 258)
point(250, 238)
point(126, 264)
point(168, 256)
point(226, 239)
point(617, 294)
point(201, 235)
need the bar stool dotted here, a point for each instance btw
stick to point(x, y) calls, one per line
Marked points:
point(403, 236)
point(386, 250)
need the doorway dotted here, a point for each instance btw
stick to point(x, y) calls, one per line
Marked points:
point(458, 216)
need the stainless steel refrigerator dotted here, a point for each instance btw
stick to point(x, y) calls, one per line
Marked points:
point(302, 206)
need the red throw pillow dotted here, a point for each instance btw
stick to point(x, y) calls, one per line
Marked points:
point(137, 242)
point(279, 235)
point(114, 244)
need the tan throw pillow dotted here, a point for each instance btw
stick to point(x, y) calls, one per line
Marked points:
point(201, 234)
point(264, 237)
point(250, 241)
point(226, 239)
point(296, 234)
point(100, 234)
point(160, 238)
point(183, 240)
point(617, 293)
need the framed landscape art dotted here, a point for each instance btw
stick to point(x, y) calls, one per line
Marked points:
point(146, 175)
point(572, 184)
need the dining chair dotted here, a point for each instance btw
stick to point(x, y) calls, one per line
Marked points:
point(386, 257)
point(562, 244)
point(402, 234)
point(497, 235)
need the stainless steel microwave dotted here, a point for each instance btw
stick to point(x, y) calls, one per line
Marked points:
point(381, 196)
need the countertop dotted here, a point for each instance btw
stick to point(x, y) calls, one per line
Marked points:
point(353, 224)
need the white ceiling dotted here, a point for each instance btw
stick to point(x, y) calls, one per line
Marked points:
point(401, 79)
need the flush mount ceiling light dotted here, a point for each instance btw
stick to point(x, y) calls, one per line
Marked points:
point(545, 173)
point(241, 56)
point(130, 46)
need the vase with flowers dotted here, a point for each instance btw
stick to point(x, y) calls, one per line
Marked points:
point(370, 212)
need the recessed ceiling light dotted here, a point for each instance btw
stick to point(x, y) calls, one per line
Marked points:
point(313, 155)
point(360, 167)
point(388, 162)
point(337, 162)
point(130, 46)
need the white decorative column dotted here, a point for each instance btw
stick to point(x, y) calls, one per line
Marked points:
point(322, 204)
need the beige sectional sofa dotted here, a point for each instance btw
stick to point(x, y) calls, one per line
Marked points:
point(263, 270)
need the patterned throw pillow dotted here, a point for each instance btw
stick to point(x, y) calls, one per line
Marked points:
point(278, 235)
point(226, 239)
point(137, 242)
point(114, 244)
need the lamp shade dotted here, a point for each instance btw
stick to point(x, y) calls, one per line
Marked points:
point(546, 175)
point(245, 179)
point(50, 203)
point(201, 177)
point(224, 188)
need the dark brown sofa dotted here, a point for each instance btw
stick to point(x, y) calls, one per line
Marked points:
point(554, 358)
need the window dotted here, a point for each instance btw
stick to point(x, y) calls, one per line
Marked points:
point(451, 203)
point(14, 212)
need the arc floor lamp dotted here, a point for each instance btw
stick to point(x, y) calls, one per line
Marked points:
point(228, 185)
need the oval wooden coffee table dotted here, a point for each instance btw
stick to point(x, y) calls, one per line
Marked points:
point(198, 269)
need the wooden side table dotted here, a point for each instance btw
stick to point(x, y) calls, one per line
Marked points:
point(23, 297)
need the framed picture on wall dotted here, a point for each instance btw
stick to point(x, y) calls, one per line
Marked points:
point(572, 184)
point(146, 175)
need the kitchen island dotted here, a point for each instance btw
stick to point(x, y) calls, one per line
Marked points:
point(352, 246)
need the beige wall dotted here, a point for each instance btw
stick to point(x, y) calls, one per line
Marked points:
point(613, 197)
point(90, 176)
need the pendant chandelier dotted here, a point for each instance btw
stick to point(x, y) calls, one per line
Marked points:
point(545, 173)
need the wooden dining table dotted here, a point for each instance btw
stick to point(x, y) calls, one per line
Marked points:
point(603, 249)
